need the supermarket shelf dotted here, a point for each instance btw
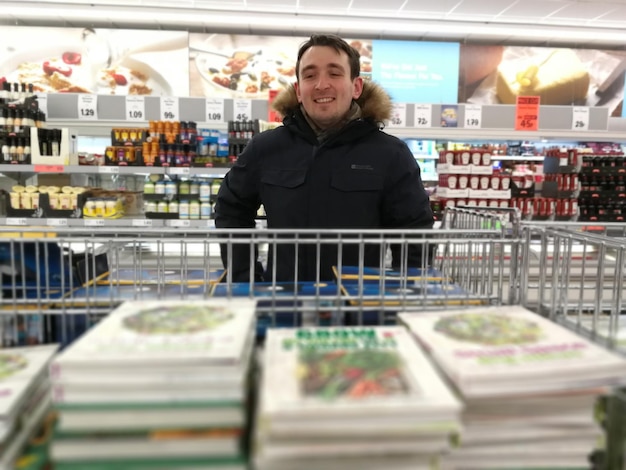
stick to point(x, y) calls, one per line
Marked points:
point(518, 158)
point(110, 170)
point(92, 223)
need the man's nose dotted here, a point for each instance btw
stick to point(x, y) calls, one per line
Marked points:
point(322, 82)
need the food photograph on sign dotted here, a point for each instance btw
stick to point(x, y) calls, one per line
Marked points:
point(100, 61)
point(560, 76)
point(250, 67)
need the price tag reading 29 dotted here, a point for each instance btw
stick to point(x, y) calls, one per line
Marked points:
point(215, 110)
point(135, 108)
point(242, 110)
point(87, 107)
point(169, 108)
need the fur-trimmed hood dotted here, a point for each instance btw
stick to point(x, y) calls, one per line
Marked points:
point(374, 101)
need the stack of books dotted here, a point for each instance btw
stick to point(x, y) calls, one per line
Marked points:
point(529, 385)
point(343, 398)
point(24, 397)
point(156, 385)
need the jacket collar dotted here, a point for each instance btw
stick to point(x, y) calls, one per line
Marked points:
point(374, 101)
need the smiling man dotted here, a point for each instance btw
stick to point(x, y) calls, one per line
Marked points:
point(329, 166)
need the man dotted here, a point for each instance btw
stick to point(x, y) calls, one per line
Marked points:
point(329, 166)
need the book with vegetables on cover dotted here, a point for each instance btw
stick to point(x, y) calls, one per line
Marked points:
point(510, 350)
point(167, 333)
point(351, 373)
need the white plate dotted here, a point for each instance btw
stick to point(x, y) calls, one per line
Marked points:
point(83, 75)
point(245, 81)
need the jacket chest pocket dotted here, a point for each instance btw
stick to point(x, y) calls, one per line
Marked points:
point(284, 178)
point(356, 181)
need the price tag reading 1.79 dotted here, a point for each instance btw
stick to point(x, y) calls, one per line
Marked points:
point(135, 108)
point(169, 108)
point(87, 107)
point(473, 116)
point(215, 110)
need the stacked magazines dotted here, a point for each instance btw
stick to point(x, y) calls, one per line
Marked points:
point(156, 385)
point(529, 386)
point(348, 398)
point(24, 397)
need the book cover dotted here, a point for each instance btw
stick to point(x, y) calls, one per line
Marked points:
point(168, 417)
point(165, 333)
point(95, 295)
point(354, 273)
point(166, 443)
point(278, 289)
point(413, 293)
point(511, 349)
point(131, 276)
point(156, 464)
point(350, 372)
point(21, 372)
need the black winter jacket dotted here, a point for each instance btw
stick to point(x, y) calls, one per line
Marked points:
point(360, 178)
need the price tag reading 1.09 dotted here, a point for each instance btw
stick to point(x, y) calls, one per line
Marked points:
point(87, 107)
point(135, 108)
point(169, 108)
point(215, 110)
point(94, 222)
point(242, 110)
point(423, 115)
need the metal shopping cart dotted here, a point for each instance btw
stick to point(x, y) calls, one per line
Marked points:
point(476, 258)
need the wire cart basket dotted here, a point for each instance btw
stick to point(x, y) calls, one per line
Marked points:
point(57, 283)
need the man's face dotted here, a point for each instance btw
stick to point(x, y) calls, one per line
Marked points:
point(325, 88)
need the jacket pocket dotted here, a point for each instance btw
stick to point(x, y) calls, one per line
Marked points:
point(356, 181)
point(284, 178)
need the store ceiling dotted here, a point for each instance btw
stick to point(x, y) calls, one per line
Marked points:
point(542, 22)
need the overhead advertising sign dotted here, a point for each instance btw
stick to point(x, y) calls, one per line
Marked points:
point(417, 72)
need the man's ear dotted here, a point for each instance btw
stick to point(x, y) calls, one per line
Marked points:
point(297, 88)
point(358, 88)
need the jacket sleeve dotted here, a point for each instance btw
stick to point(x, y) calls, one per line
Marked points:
point(406, 205)
point(236, 207)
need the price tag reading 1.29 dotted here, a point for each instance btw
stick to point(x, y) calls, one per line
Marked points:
point(423, 115)
point(87, 107)
point(242, 110)
point(215, 110)
point(169, 108)
point(135, 108)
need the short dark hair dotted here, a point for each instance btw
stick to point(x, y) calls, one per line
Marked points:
point(331, 40)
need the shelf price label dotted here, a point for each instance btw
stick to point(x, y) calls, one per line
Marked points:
point(423, 115)
point(527, 113)
point(180, 170)
point(580, 118)
point(214, 110)
point(87, 107)
point(142, 222)
point(16, 221)
point(109, 170)
point(398, 115)
point(170, 108)
point(94, 222)
point(178, 223)
point(56, 222)
point(473, 116)
point(48, 168)
point(135, 108)
point(242, 110)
